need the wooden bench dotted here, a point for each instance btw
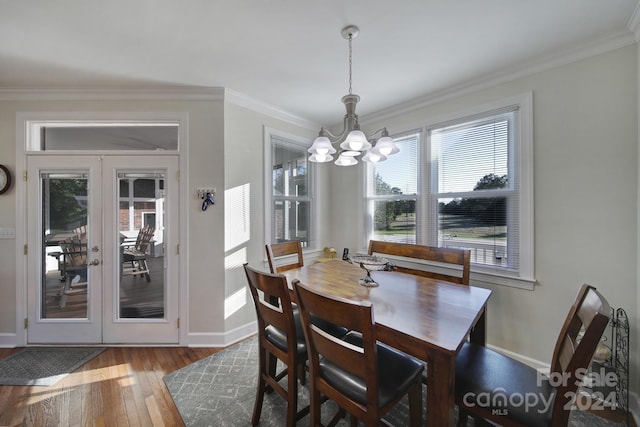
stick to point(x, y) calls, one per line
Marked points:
point(433, 256)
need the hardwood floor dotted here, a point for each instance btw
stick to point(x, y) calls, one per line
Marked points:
point(122, 386)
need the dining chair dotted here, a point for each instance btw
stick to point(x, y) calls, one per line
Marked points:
point(277, 251)
point(445, 257)
point(280, 336)
point(136, 254)
point(500, 389)
point(363, 377)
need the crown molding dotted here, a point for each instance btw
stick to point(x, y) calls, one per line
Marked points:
point(154, 93)
point(245, 101)
point(600, 46)
point(174, 93)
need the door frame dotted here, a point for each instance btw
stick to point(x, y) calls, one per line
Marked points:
point(25, 122)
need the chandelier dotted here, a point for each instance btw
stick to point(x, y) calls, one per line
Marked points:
point(353, 142)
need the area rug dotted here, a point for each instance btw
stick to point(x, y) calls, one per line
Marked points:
point(220, 390)
point(44, 366)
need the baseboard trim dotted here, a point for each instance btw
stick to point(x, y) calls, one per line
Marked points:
point(534, 363)
point(205, 339)
point(634, 407)
point(8, 340)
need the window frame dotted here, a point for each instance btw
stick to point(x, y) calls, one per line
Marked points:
point(312, 191)
point(371, 198)
point(521, 160)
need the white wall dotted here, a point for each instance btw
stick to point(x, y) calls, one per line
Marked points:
point(586, 190)
point(245, 206)
point(206, 166)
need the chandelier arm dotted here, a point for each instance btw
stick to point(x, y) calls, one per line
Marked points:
point(382, 132)
point(336, 138)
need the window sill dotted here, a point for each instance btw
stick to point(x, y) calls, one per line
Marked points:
point(491, 278)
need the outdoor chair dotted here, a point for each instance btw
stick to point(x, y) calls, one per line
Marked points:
point(74, 255)
point(136, 255)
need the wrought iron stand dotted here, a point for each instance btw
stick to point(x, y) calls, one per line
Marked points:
point(606, 391)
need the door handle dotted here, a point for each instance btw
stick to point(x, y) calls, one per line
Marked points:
point(95, 262)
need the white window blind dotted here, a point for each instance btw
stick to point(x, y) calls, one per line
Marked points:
point(469, 180)
point(474, 197)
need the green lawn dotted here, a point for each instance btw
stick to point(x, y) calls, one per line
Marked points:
point(451, 225)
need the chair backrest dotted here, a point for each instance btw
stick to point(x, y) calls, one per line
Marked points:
point(278, 250)
point(145, 235)
point(80, 230)
point(75, 250)
point(272, 300)
point(586, 321)
point(450, 256)
point(362, 362)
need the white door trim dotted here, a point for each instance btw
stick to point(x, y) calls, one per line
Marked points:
point(23, 119)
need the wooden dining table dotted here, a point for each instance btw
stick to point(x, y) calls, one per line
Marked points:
point(426, 318)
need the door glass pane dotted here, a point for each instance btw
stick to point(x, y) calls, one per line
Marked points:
point(141, 233)
point(64, 252)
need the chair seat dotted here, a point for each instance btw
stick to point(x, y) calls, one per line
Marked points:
point(397, 373)
point(132, 255)
point(499, 383)
point(279, 339)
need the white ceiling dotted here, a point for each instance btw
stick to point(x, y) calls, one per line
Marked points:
point(290, 54)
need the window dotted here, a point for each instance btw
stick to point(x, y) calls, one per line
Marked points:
point(477, 190)
point(106, 137)
point(393, 195)
point(291, 190)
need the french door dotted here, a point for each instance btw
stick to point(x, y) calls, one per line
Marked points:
point(92, 278)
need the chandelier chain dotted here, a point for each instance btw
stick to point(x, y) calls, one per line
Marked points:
point(350, 38)
point(353, 142)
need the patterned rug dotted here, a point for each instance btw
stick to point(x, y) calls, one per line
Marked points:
point(44, 366)
point(220, 391)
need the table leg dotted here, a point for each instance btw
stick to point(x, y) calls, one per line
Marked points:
point(479, 332)
point(441, 378)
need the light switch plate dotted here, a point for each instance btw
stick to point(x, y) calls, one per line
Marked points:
point(7, 233)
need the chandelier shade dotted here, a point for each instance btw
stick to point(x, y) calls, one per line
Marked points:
point(322, 146)
point(346, 160)
point(374, 156)
point(386, 146)
point(353, 142)
point(356, 140)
